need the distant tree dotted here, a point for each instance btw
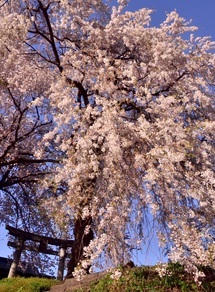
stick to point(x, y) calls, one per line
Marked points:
point(133, 118)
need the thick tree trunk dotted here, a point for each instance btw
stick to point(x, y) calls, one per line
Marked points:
point(80, 241)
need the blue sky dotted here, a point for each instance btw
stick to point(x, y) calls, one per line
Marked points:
point(202, 13)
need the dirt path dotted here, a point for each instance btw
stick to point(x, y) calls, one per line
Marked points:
point(73, 284)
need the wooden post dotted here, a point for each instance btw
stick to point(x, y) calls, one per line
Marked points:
point(62, 256)
point(16, 258)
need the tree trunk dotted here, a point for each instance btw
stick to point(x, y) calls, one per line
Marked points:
point(80, 241)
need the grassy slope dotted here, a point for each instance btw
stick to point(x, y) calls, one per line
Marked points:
point(19, 284)
point(132, 280)
point(147, 279)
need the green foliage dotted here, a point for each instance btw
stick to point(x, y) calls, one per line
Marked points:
point(19, 284)
point(144, 279)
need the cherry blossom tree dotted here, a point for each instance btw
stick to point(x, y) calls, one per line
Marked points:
point(132, 113)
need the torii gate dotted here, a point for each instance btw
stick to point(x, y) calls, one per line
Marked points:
point(19, 246)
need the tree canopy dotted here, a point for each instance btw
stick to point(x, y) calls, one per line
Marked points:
point(103, 119)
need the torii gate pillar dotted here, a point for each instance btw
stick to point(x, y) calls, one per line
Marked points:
point(16, 258)
point(61, 264)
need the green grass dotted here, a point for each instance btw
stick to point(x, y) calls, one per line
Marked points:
point(19, 284)
point(146, 279)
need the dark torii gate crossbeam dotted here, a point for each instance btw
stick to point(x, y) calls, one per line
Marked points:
point(43, 241)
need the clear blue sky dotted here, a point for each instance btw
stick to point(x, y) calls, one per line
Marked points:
point(202, 13)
